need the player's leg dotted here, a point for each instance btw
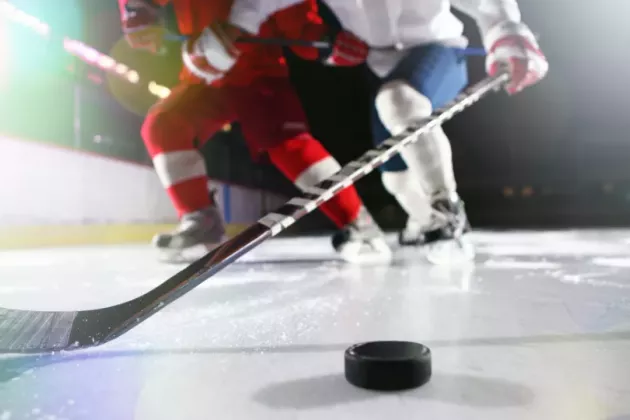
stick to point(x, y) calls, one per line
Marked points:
point(191, 113)
point(273, 121)
point(405, 187)
point(427, 78)
point(304, 161)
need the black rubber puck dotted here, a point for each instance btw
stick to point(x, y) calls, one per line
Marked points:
point(388, 365)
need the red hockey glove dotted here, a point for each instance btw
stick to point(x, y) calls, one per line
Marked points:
point(347, 50)
point(141, 25)
point(513, 45)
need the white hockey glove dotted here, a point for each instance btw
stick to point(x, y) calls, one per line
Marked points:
point(212, 53)
point(513, 45)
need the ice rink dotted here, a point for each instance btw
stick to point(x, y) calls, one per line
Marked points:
point(538, 329)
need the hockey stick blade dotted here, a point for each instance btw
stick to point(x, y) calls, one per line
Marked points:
point(24, 331)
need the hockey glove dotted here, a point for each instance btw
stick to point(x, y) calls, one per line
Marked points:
point(212, 53)
point(142, 25)
point(513, 45)
point(347, 50)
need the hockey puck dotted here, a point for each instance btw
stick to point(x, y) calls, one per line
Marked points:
point(388, 365)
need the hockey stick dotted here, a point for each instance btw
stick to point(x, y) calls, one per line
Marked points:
point(321, 45)
point(24, 331)
point(265, 41)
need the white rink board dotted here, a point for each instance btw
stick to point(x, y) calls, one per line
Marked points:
point(47, 185)
point(56, 186)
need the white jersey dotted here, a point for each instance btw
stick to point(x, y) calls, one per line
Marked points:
point(391, 26)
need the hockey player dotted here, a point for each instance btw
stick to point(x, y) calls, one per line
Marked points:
point(257, 93)
point(415, 57)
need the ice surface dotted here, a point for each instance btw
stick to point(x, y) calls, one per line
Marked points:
point(538, 329)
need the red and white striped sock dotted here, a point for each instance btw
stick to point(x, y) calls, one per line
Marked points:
point(305, 162)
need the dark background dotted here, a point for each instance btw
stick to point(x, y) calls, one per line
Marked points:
point(555, 155)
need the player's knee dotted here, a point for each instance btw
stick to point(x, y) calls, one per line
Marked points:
point(400, 104)
point(150, 127)
point(162, 131)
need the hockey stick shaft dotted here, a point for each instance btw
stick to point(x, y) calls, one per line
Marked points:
point(283, 42)
point(296, 208)
point(321, 45)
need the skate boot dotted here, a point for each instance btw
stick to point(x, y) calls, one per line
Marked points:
point(448, 243)
point(201, 229)
point(362, 241)
point(412, 234)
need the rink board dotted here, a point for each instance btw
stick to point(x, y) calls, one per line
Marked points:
point(51, 236)
point(70, 197)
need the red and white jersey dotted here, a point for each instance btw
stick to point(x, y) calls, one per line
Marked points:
point(392, 23)
point(192, 15)
point(299, 21)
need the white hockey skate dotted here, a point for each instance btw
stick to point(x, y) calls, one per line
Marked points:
point(449, 243)
point(197, 233)
point(362, 241)
point(412, 234)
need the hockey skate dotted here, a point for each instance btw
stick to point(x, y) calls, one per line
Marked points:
point(202, 230)
point(362, 241)
point(449, 243)
point(412, 234)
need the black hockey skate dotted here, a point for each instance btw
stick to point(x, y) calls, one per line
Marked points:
point(449, 244)
point(204, 229)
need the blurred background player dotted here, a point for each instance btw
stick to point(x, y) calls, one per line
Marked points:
point(257, 93)
point(416, 61)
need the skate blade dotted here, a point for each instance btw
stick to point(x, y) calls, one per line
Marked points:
point(372, 252)
point(451, 252)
